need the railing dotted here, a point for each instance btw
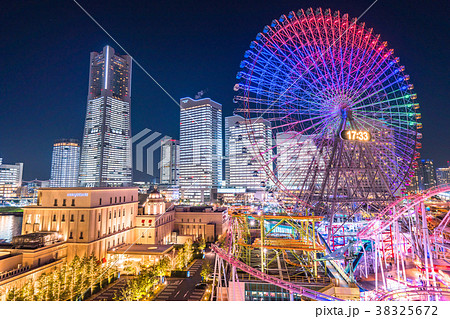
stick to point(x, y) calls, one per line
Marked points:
point(292, 288)
point(14, 272)
point(385, 218)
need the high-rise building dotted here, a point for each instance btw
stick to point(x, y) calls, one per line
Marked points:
point(296, 156)
point(200, 149)
point(106, 151)
point(245, 140)
point(443, 176)
point(170, 158)
point(10, 179)
point(426, 174)
point(65, 163)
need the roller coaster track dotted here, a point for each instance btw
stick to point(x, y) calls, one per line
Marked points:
point(292, 288)
point(389, 215)
point(413, 292)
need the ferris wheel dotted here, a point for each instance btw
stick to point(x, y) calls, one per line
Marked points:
point(342, 111)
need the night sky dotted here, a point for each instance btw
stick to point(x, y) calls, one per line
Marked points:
point(187, 46)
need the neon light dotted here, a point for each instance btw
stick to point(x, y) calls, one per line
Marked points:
point(106, 67)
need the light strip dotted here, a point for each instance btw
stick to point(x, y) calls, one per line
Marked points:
point(106, 67)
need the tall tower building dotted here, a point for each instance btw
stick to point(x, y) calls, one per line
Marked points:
point(427, 174)
point(65, 163)
point(295, 153)
point(443, 176)
point(200, 149)
point(106, 151)
point(242, 159)
point(170, 158)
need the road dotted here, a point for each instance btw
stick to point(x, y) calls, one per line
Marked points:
point(108, 293)
point(184, 289)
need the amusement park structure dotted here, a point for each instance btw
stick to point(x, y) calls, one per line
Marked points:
point(338, 225)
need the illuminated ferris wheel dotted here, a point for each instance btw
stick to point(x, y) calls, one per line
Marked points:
point(343, 115)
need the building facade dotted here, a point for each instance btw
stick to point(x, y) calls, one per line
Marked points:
point(65, 163)
point(170, 158)
point(10, 179)
point(245, 141)
point(89, 220)
point(443, 176)
point(106, 157)
point(295, 152)
point(200, 149)
point(426, 174)
point(197, 222)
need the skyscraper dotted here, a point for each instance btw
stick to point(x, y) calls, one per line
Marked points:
point(106, 150)
point(295, 153)
point(426, 174)
point(170, 158)
point(242, 159)
point(443, 176)
point(200, 149)
point(65, 163)
point(10, 179)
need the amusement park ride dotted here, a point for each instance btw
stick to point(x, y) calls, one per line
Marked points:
point(340, 227)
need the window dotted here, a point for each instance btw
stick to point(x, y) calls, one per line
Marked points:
point(73, 202)
point(63, 218)
point(200, 220)
point(115, 199)
point(131, 197)
point(120, 199)
point(100, 201)
point(244, 150)
point(55, 203)
point(54, 218)
point(71, 218)
point(70, 235)
point(110, 200)
point(64, 202)
point(99, 216)
point(81, 235)
point(109, 215)
point(109, 230)
point(115, 214)
point(114, 229)
point(123, 225)
point(82, 218)
point(98, 234)
point(124, 199)
point(119, 212)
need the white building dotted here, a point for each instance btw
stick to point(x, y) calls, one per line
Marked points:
point(170, 160)
point(200, 149)
point(106, 151)
point(10, 179)
point(248, 147)
point(65, 163)
point(295, 153)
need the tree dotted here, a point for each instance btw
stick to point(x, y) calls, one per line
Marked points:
point(206, 270)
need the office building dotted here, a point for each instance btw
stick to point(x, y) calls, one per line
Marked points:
point(295, 153)
point(65, 163)
point(426, 174)
point(443, 176)
point(200, 149)
point(10, 179)
point(169, 164)
point(248, 148)
point(106, 150)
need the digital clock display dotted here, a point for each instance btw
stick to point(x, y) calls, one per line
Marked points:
point(355, 135)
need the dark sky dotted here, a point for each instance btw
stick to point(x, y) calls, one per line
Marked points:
point(187, 46)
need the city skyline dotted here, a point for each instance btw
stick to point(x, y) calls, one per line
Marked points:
point(62, 86)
